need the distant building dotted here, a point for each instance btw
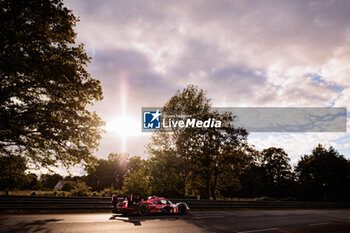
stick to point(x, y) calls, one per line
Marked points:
point(60, 184)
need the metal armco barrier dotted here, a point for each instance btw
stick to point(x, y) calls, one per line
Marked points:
point(90, 203)
point(221, 204)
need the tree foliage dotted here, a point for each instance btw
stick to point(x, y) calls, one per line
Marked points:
point(12, 172)
point(165, 174)
point(44, 85)
point(324, 175)
point(200, 155)
point(48, 181)
point(276, 171)
point(108, 172)
point(137, 180)
point(67, 187)
point(80, 189)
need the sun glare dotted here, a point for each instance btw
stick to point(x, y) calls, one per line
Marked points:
point(123, 126)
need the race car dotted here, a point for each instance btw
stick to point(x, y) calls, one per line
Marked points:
point(133, 204)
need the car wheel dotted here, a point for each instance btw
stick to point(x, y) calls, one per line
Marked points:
point(142, 209)
point(182, 209)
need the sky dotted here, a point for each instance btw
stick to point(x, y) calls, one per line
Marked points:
point(243, 53)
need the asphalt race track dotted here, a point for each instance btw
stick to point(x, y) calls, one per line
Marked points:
point(244, 221)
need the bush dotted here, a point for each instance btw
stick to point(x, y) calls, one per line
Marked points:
point(108, 192)
point(94, 194)
point(61, 194)
point(264, 198)
point(67, 187)
point(80, 189)
point(137, 182)
point(288, 199)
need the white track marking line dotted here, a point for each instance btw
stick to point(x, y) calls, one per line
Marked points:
point(214, 216)
point(318, 224)
point(266, 229)
point(247, 215)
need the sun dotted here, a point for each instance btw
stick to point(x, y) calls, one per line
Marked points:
point(123, 126)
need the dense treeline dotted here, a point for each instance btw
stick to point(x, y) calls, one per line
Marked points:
point(321, 176)
point(212, 162)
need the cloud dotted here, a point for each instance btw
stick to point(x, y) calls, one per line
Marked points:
point(244, 53)
point(299, 144)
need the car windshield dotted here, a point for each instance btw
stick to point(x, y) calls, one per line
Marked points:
point(163, 201)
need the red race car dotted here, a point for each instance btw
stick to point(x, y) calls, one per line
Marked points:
point(133, 204)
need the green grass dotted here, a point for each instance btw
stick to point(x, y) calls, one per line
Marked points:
point(58, 211)
point(28, 192)
point(52, 193)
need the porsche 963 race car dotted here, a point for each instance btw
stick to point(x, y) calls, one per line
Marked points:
point(133, 204)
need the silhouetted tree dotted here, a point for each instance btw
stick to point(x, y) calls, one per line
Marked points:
point(182, 143)
point(324, 175)
point(44, 85)
point(32, 182)
point(233, 165)
point(222, 155)
point(276, 170)
point(252, 181)
point(12, 172)
point(67, 187)
point(197, 154)
point(268, 174)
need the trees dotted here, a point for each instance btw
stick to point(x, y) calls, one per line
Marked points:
point(32, 182)
point(108, 172)
point(12, 172)
point(182, 143)
point(48, 181)
point(234, 164)
point(268, 174)
point(137, 180)
point(222, 154)
point(67, 187)
point(199, 155)
point(80, 189)
point(276, 171)
point(324, 175)
point(164, 171)
point(276, 163)
point(44, 86)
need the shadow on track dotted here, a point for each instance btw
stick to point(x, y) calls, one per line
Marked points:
point(136, 220)
point(28, 226)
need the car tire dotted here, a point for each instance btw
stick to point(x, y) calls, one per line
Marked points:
point(182, 209)
point(142, 209)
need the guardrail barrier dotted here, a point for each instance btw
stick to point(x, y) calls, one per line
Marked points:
point(90, 203)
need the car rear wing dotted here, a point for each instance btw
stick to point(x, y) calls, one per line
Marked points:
point(132, 199)
point(115, 200)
